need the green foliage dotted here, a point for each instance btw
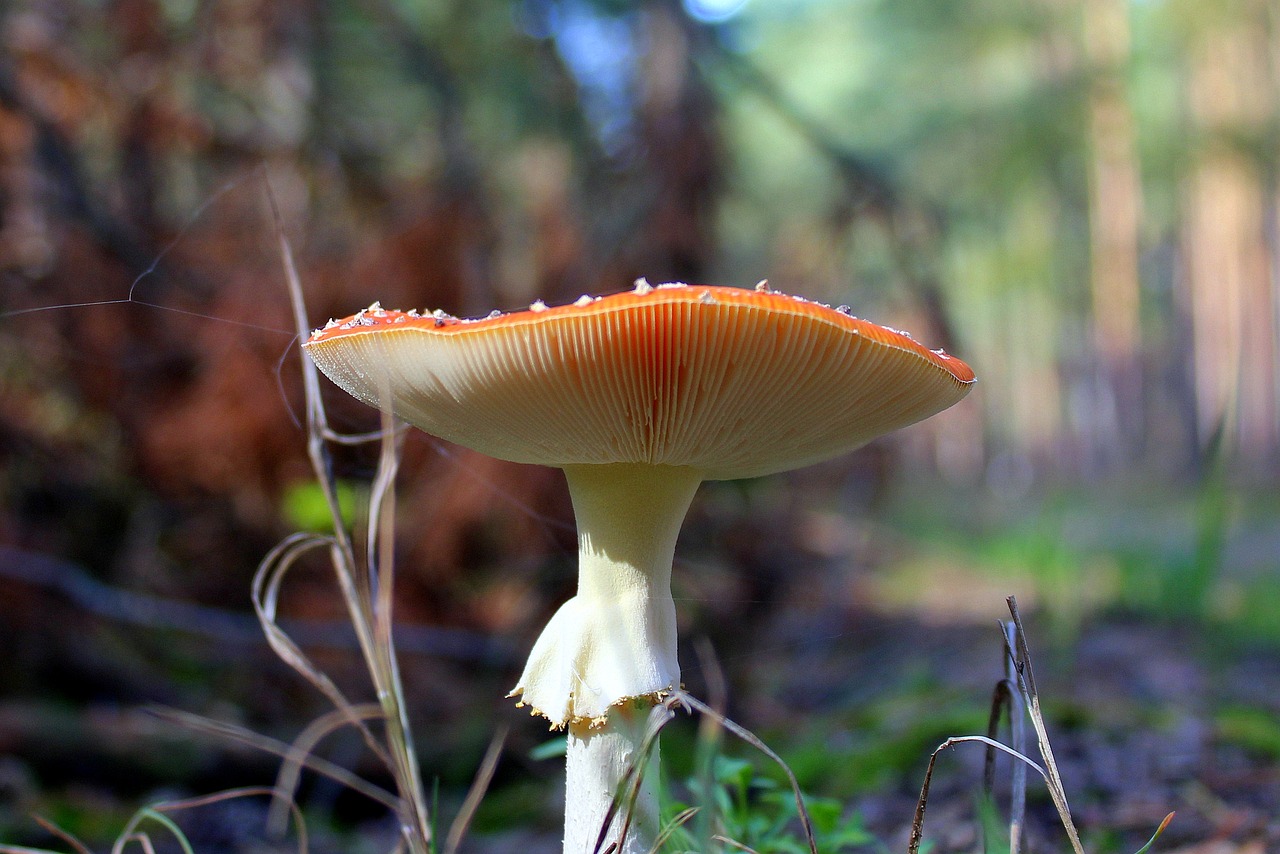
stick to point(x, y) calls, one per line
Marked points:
point(140, 829)
point(1252, 610)
point(890, 739)
point(305, 507)
point(756, 811)
point(1256, 730)
point(1172, 553)
point(1185, 586)
point(553, 748)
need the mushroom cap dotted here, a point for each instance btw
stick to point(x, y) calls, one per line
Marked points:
point(732, 382)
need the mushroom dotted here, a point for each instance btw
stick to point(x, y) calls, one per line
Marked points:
point(638, 397)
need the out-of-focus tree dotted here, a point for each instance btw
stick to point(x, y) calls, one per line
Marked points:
point(1058, 152)
point(1230, 228)
point(1079, 197)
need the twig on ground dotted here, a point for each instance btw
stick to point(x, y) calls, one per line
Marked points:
point(228, 628)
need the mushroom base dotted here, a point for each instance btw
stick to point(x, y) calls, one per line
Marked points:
point(616, 639)
point(596, 760)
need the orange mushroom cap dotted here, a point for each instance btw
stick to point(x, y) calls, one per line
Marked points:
point(732, 382)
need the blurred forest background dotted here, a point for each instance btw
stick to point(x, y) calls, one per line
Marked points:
point(1078, 197)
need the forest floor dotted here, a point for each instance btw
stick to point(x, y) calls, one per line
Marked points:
point(1152, 626)
point(1144, 719)
point(873, 650)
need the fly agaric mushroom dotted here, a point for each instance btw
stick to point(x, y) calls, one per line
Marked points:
point(639, 397)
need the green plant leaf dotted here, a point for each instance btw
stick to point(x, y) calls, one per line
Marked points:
point(550, 749)
point(1159, 830)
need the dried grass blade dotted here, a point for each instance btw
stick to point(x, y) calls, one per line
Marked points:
point(1000, 697)
point(290, 773)
point(317, 420)
point(380, 551)
point(917, 821)
point(370, 615)
point(317, 433)
point(678, 821)
point(1007, 698)
point(265, 594)
point(131, 833)
point(710, 737)
point(484, 776)
point(752, 739)
point(64, 835)
point(352, 438)
point(383, 665)
point(629, 785)
point(659, 717)
point(231, 794)
point(1159, 830)
point(1027, 687)
point(917, 824)
point(266, 744)
point(1018, 737)
point(143, 840)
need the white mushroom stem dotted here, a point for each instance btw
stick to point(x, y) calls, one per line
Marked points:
point(615, 641)
point(596, 760)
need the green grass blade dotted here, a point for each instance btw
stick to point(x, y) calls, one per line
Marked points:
point(1159, 830)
